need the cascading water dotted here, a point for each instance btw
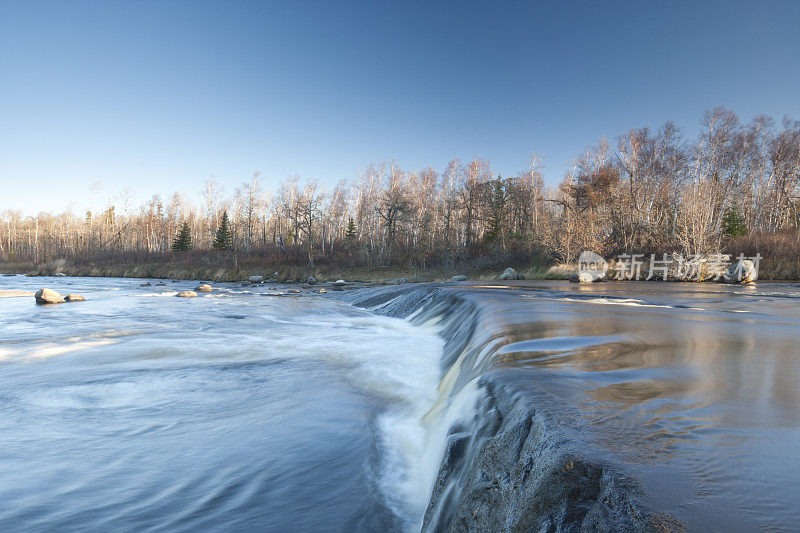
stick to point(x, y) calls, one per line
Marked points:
point(535, 406)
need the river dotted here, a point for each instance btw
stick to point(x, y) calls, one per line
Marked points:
point(437, 406)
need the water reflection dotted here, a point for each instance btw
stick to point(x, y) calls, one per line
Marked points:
point(693, 387)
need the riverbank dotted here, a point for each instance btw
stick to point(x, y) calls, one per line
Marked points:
point(210, 268)
point(197, 271)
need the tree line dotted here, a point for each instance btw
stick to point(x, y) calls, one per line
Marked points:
point(648, 191)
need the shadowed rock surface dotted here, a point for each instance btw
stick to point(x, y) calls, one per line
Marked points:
point(511, 472)
point(48, 296)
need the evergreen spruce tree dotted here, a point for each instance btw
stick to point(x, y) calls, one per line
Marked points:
point(733, 223)
point(222, 241)
point(183, 241)
point(350, 234)
point(497, 208)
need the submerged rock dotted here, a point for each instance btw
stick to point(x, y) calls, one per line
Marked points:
point(204, 287)
point(294, 291)
point(255, 279)
point(186, 294)
point(74, 298)
point(48, 296)
point(510, 273)
point(742, 271)
point(459, 277)
point(321, 291)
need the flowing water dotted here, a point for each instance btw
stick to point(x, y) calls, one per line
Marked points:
point(138, 411)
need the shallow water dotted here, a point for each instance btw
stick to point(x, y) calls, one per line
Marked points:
point(136, 410)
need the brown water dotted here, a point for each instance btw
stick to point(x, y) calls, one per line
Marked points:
point(692, 388)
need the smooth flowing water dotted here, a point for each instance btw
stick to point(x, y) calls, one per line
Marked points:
point(136, 410)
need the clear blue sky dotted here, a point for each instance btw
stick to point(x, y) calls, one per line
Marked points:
point(160, 95)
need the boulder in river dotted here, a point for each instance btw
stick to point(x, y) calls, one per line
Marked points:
point(311, 280)
point(459, 277)
point(204, 287)
point(510, 273)
point(742, 271)
point(186, 294)
point(74, 298)
point(60, 274)
point(255, 279)
point(321, 291)
point(294, 291)
point(48, 296)
point(339, 283)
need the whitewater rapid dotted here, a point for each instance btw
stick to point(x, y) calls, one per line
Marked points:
point(117, 384)
point(435, 407)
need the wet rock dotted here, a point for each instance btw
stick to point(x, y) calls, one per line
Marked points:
point(276, 275)
point(60, 274)
point(321, 291)
point(459, 277)
point(145, 285)
point(204, 287)
point(510, 273)
point(514, 471)
point(162, 284)
point(311, 280)
point(74, 298)
point(255, 279)
point(294, 291)
point(48, 296)
point(339, 283)
point(742, 271)
point(186, 294)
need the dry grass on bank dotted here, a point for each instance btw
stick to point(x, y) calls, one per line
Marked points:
point(197, 266)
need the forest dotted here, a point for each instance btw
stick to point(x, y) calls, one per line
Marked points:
point(734, 188)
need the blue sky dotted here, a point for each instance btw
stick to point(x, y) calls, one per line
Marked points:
point(158, 96)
